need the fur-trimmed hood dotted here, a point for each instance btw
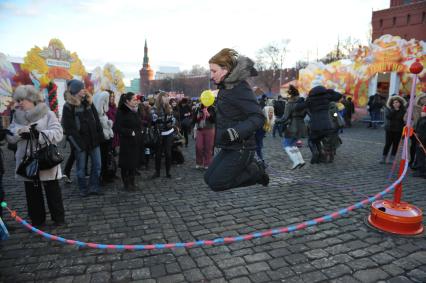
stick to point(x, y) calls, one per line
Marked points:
point(242, 71)
point(76, 100)
point(418, 98)
point(28, 117)
point(396, 97)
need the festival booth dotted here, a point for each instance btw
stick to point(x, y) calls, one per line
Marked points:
point(382, 67)
point(48, 69)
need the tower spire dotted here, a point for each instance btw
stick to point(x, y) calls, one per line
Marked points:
point(145, 55)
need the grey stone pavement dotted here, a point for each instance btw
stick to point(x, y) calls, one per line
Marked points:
point(184, 209)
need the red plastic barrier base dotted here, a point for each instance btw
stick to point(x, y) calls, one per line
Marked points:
point(401, 219)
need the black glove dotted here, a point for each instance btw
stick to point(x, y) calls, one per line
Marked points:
point(34, 131)
point(25, 135)
point(230, 135)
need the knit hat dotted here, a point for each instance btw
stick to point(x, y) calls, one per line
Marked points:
point(75, 86)
point(28, 92)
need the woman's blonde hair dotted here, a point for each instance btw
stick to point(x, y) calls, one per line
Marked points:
point(269, 123)
point(160, 104)
point(225, 58)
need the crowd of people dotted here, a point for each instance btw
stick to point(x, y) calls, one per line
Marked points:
point(140, 129)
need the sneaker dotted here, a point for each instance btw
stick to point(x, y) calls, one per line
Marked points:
point(98, 193)
point(168, 175)
point(198, 166)
point(67, 179)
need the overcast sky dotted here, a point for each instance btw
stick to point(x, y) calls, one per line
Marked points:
point(182, 32)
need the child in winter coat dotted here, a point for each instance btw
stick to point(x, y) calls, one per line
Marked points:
point(267, 128)
point(420, 153)
point(394, 126)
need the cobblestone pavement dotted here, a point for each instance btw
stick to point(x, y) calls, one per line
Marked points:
point(184, 209)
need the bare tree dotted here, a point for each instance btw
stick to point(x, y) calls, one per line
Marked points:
point(269, 62)
point(342, 50)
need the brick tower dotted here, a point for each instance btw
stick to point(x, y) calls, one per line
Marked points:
point(146, 74)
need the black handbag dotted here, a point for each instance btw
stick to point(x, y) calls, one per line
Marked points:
point(29, 167)
point(151, 137)
point(49, 155)
point(111, 165)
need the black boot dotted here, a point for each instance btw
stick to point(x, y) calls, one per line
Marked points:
point(133, 185)
point(126, 181)
point(156, 175)
point(315, 153)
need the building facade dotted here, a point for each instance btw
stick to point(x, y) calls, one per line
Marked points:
point(404, 18)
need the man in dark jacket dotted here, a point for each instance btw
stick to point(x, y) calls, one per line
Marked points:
point(279, 107)
point(375, 105)
point(84, 131)
point(238, 117)
point(320, 127)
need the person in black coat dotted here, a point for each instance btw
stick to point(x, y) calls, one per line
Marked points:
point(185, 119)
point(83, 129)
point(128, 125)
point(164, 122)
point(317, 103)
point(279, 107)
point(393, 126)
point(238, 116)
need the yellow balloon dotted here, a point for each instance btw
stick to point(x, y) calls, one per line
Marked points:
point(207, 98)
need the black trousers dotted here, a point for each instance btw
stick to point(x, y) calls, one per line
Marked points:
point(232, 169)
point(164, 146)
point(35, 201)
point(105, 147)
point(392, 139)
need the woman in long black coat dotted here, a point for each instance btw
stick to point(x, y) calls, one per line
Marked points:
point(128, 125)
point(317, 103)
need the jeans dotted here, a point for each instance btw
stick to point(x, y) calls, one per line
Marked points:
point(289, 142)
point(95, 172)
point(232, 169)
point(375, 118)
point(277, 127)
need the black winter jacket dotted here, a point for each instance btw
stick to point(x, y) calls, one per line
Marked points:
point(238, 108)
point(81, 124)
point(395, 120)
point(317, 104)
point(421, 130)
point(128, 125)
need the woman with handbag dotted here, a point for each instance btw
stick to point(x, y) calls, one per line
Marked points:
point(34, 123)
point(295, 127)
point(164, 122)
point(129, 127)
